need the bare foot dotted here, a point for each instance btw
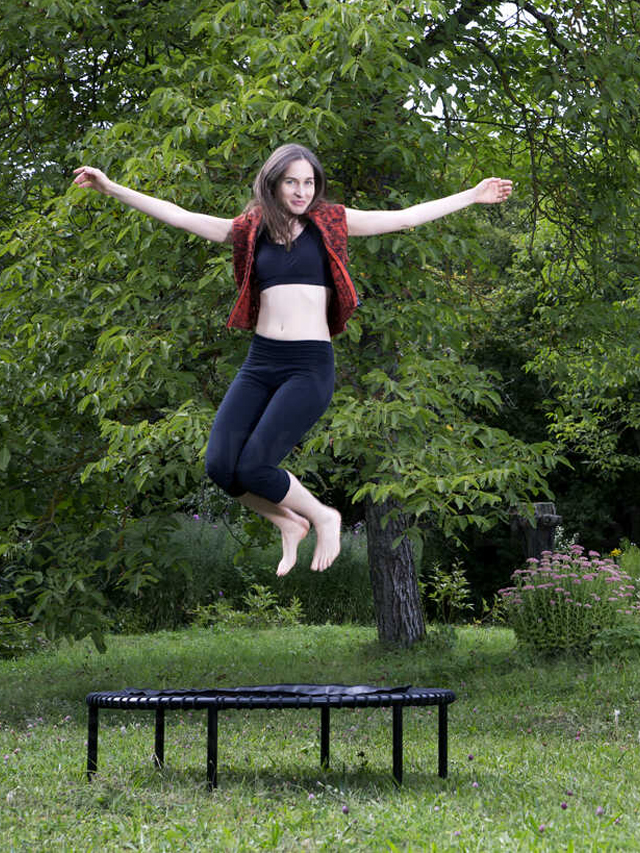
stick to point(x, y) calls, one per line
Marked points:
point(293, 529)
point(327, 541)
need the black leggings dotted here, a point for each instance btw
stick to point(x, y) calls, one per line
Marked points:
point(280, 391)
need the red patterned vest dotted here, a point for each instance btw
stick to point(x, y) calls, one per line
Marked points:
point(331, 221)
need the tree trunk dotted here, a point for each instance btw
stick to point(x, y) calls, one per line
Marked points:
point(396, 597)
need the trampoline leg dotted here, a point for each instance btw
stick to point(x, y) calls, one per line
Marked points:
point(212, 748)
point(397, 743)
point(324, 736)
point(92, 742)
point(158, 755)
point(442, 741)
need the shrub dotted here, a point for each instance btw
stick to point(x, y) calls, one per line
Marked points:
point(261, 610)
point(629, 558)
point(562, 602)
point(179, 573)
point(619, 643)
point(17, 636)
point(449, 592)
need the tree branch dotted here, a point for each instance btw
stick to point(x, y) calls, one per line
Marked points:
point(549, 24)
point(445, 32)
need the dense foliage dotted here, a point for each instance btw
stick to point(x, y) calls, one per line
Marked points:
point(474, 332)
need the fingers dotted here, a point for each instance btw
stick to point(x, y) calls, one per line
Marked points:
point(501, 184)
point(83, 170)
point(504, 189)
point(87, 176)
point(84, 176)
point(493, 190)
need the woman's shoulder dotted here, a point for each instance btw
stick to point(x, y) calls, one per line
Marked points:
point(325, 206)
point(249, 216)
point(246, 225)
point(329, 216)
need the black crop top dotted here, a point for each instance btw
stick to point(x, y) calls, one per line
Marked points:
point(306, 262)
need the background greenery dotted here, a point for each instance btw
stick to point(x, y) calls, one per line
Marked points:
point(489, 346)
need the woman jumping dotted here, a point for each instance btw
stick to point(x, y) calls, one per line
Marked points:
point(289, 257)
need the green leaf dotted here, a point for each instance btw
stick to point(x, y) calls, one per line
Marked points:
point(5, 458)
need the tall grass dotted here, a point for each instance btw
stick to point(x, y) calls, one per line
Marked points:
point(223, 562)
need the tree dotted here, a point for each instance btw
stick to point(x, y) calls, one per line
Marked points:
point(569, 314)
point(66, 68)
point(121, 364)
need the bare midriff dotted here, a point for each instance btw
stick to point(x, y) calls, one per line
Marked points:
point(294, 312)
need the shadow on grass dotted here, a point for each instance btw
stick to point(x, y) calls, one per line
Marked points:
point(278, 781)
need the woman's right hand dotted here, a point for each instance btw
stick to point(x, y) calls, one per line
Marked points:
point(92, 178)
point(212, 228)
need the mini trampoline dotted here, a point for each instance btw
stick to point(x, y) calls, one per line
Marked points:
point(326, 697)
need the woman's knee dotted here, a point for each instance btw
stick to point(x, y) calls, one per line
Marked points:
point(267, 481)
point(221, 473)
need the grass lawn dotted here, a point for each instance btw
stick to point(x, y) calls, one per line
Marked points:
point(538, 760)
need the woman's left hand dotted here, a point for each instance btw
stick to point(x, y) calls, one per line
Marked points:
point(493, 190)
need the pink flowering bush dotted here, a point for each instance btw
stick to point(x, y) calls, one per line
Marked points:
point(563, 601)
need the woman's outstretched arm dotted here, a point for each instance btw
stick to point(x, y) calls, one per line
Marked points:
point(364, 223)
point(210, 227)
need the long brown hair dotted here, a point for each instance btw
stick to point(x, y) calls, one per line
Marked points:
point(275, 218)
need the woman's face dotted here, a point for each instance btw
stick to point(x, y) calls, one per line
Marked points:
point(296, 187)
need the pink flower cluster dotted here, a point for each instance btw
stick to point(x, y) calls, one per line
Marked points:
point(575, 570)
point(565, 593)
